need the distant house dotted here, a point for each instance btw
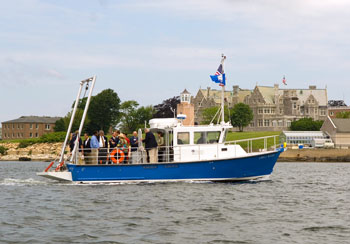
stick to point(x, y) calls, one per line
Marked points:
point(333, 111)
point(28, 127)
point(338, 130)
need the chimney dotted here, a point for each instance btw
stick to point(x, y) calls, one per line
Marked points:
point(312, 87)
point(235, 90)
point(208, 92)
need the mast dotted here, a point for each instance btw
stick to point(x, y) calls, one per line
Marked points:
point(223, 57)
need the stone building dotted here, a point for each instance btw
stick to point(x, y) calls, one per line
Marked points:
point(273, 108)
point(28, 127)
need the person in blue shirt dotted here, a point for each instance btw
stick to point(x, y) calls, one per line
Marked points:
point(94, 144)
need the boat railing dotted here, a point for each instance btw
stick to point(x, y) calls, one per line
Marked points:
point(179, 153)
point(256, 144)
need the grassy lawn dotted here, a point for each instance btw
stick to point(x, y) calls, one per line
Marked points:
point(257, 144)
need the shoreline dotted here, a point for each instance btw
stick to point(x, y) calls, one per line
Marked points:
point(47, 152)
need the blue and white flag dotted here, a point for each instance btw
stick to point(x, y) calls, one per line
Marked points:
point(219, 76)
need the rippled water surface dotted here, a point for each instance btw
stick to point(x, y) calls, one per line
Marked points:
point(300, 203)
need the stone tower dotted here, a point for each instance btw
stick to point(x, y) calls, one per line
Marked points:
point(186, 107)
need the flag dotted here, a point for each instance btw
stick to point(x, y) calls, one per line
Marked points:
point(219, 76)
point(284, 80)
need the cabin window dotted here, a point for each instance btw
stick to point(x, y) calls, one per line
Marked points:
point(206, 137)
point(183, 138)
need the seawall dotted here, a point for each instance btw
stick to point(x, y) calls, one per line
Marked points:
point(315, 155)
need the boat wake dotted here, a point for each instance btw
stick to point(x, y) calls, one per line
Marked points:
point(21, 182)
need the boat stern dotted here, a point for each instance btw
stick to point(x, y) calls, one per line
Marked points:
point(53, 175)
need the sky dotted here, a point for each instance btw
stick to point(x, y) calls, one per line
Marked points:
point(152, 50)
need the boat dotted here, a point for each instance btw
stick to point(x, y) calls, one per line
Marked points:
point(191, 153)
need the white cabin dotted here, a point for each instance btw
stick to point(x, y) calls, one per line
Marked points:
point(195, 143)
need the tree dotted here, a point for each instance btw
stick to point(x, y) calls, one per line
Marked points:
point(241, 115)
point(343, 115)
point(133, 117)
point(306, 124)
point(166, 108)
point(209, 113)
point(103, 111)
point(63, 123)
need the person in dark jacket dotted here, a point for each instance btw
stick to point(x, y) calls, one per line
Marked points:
point(151, 147)
point(72, 141)
point(87, 149)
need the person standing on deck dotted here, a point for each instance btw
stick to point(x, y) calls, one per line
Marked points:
point(161, 147)
point(94, 148)
point(134, 143)
point(87, 149)
point(151, 147)
point(103, 145)
point(113, 142)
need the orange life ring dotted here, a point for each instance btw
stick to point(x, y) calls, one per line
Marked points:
point(121, 155)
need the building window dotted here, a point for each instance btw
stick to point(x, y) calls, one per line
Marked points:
point(31, 126)
point(17, 126)
point(30, 134)
point(21, 126)
point(331, 113)
point(260, 122)
point(13, 126)
point(22, 135)
point(272, 110)
point(260, 111)
point(36, 126)
point(266, 123)
point(323, 112)
point(294, 105)
point(13, 135)
point(47, 127)
point(281, 110)
point(36, 134)
point(5, 135)
point(18, 135)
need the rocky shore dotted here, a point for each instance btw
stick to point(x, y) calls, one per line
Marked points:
point(51, 151)
point(35, 152)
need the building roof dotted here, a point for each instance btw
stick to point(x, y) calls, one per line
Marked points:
point(34, 119)
point(216, 94)
point(342, 125)
point(268, 93)
point(185, 92)
point(304, 133)
point(320, 95)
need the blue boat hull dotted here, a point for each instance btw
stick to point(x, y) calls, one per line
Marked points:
point(214, 170)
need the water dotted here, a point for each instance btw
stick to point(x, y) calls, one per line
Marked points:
point(301, 203)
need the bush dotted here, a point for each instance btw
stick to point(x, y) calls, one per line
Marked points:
point(53, 137)
point(3, 150)
point(306, 124)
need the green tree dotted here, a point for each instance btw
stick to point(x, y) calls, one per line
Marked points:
point(63, 123)
point(343, 115)
point(103, 112)
point(133, 117)
point(209, 113)
point(306, 124)
point(241, 115)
